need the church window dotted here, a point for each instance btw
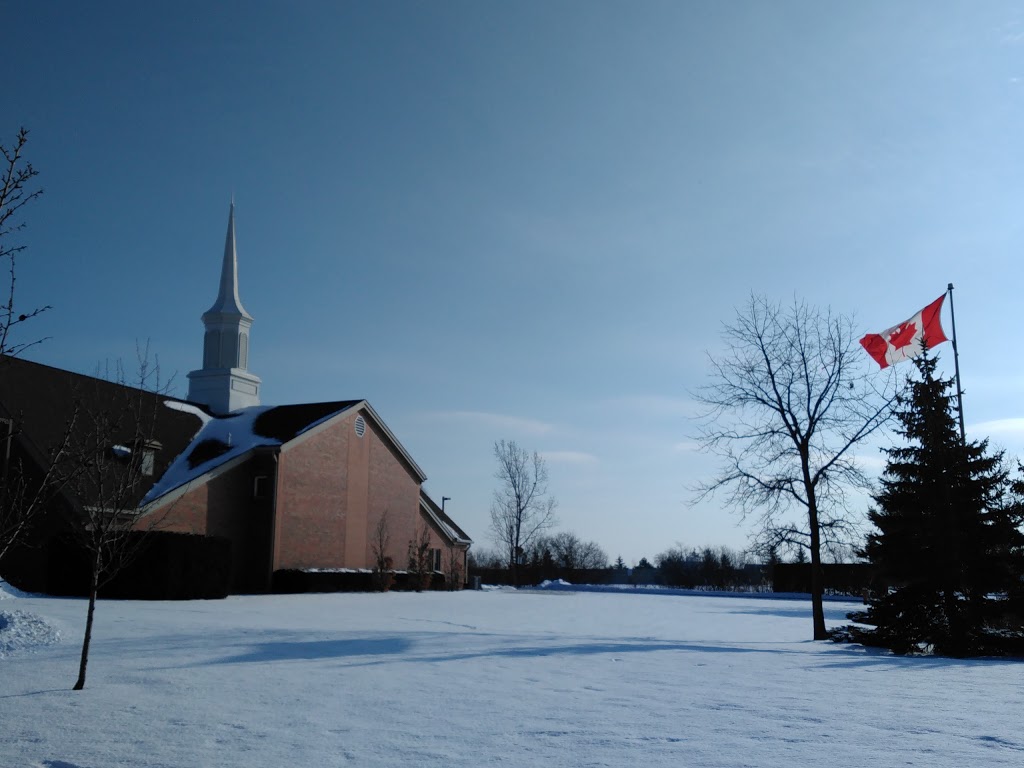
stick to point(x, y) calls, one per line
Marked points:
point(148, 461)
point(211, 350)
point(261, 487)
point(243, 350)
point(360, 426)
point(229, 351)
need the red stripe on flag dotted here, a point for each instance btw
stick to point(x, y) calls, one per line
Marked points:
point(931, 320)
point(876, 346)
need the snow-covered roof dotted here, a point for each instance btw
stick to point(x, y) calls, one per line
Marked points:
point(223, 438)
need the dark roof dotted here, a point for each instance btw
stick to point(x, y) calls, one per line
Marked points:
point(285, 422)
point(41, 401)
point(453, 531)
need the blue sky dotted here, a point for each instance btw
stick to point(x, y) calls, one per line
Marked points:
point(523, 221)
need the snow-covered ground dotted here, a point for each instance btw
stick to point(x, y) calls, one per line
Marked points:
point(528, 678)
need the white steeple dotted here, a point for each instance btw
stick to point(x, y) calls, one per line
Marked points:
point(227, 302)
point(224, 382)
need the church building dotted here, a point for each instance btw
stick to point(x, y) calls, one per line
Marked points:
point(311, 486)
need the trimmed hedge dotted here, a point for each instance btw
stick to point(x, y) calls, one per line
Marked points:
point(839, 578)
point(295, 581)
point(165, 566)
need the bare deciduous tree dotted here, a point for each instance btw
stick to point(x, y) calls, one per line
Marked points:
point(522, 508)
point(790, 398)
point(26, 490)
point(103, 474)
point(15, 193)
point(489, 559)
point(383, 566)
point(24, 495)
point(454, 567)
point(421, 569)
point(569, 551)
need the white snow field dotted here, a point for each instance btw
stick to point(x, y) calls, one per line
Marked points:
point(492, 678)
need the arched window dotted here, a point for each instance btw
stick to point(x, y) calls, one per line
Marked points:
point(211, 349)
point(229, 349)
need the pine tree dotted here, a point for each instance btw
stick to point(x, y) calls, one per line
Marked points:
point(947, 543)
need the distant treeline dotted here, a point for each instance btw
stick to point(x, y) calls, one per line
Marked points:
point(712, 569)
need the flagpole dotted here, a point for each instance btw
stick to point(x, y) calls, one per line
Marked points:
point(956, 366)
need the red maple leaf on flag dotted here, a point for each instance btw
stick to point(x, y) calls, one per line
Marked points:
point(903, 335)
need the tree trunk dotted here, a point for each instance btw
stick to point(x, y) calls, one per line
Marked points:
point(817, 577)
point(93, 590)
point(817, 587)
point(514, 560)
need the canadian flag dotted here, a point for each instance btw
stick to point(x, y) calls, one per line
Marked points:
point(904, 341)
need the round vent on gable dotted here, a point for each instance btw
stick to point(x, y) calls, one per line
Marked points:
point(360, 426)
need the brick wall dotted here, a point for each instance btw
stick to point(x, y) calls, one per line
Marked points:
point(311, 504)
point(187, 514)
point(395, 490)
point(226, 506)
point(333, 488)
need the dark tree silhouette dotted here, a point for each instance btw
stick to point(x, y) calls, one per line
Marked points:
point(947, 544)
point(421, 569)
point(23, 494)
point(522, 508)
point(790, 398)
point(104, 473)
point(16, 191)
point(383, 564)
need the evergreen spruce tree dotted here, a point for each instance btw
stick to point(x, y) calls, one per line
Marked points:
point(947, 543)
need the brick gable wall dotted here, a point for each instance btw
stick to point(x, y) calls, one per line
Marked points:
point(332, 488)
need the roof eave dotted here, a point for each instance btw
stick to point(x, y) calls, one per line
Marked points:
point(420, 474)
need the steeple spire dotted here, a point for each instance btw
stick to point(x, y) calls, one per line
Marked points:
point(227, 302)
point(224, 382)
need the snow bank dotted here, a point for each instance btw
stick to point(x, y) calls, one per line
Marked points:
point(553, 584)
point(657, 589)
point(20, 631)
point(7, 591)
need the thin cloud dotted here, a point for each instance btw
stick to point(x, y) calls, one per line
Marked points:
point(876, 463)
point(496, 421)
point(1013, 427)
point(658, 405)
point(1011, 34)
point(686, 447)
point(569, 457)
